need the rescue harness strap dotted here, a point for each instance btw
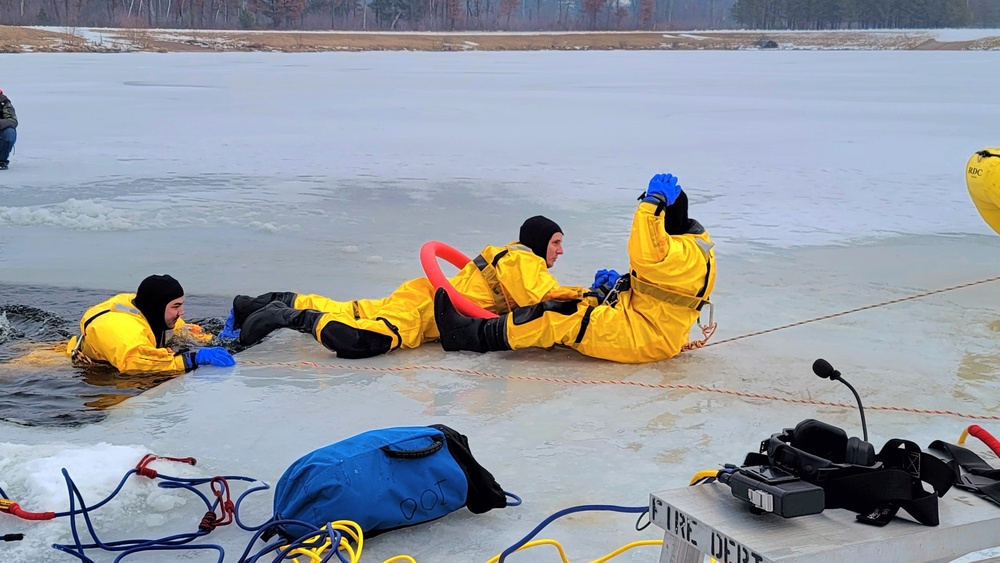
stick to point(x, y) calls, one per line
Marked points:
point(876, 493)
point(490, 274)
point(975, 474)
point(394, 329)
point(87, 322)
point(501, 254)
point(78, 355)
point(708, 275)
point(667, 296)
point(584, 324)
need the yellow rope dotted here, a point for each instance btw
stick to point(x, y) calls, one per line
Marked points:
point(562, 554)
point(625, 548)
point(349, 531)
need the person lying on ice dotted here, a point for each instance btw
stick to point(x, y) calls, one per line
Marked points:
point(518, 272)
point(129, 331)
point(672, 275)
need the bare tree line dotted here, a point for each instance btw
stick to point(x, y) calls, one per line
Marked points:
point(489, 15)
point(865, 14)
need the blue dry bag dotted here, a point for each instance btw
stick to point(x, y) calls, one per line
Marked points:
point(385, 479)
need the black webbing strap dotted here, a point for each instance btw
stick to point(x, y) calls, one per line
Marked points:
point(896, 482)
point(77, 355)
point(938, 473)
point(583, 324)
point(975, 474)
point(394, 329)
point(882, 492)
point(877, 495)
point(87, 322)
point(496, 259)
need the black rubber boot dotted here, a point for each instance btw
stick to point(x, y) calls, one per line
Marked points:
point(244, 305)
point(353, 343)
point(277, 315)
point(459, 332)
point(4, 164)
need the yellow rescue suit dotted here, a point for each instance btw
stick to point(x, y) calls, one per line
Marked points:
point(672, 277)
point(982, 175)
point(116, 333)
point(498, 280)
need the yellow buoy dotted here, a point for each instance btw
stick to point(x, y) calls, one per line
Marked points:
point(982, 175)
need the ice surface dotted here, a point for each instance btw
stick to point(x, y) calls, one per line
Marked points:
point(829, 181)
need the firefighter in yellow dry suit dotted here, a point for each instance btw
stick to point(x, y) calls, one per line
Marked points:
point(982, 176)
point(672, 275)
point(129, 331)
point(500, 279)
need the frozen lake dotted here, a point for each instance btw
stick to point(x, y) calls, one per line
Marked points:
point(828, 180)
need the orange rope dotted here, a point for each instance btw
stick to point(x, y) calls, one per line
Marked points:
point(848, 312)
point(669, 386)
point(707, 332)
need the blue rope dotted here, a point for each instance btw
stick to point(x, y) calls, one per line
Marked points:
point(274, 545)
point(304, 541)
point(131, 546)
point(77, 550)
point(216, 547)
point(236, 508)
point(171, 482)
point(516, 499)
point(182, 541)
point(173, 485)
point(71, 512)
point(564, 512)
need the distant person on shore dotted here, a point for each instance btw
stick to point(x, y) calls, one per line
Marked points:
point(500, 279)
point(8, 130)
point(129, 332)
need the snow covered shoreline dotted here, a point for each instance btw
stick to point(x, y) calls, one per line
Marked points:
point(61, 39)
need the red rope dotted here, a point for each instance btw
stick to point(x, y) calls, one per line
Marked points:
point(211, 521)
point(669, 386)
point(207, 522)
point(142, 468)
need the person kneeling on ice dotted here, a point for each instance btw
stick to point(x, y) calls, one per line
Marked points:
point(499, 280)
point(129, 331)
point(672, 275)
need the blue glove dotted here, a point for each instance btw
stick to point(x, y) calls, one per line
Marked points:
point(216, 356)
point(228, 333)
point(605, 277)
point(663, 187)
